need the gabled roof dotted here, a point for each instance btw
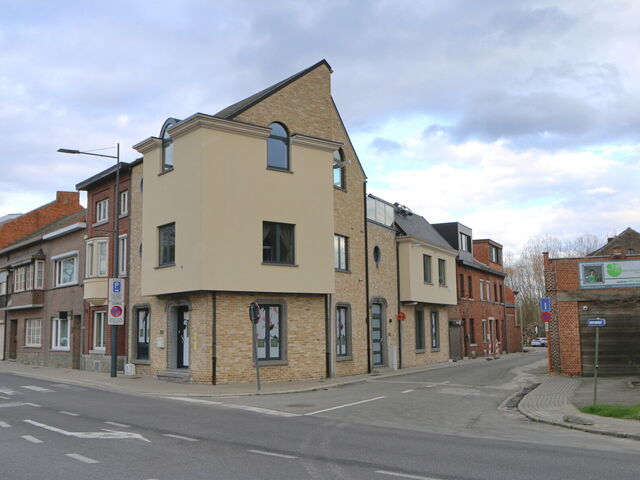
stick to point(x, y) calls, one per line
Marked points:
point(237, 108)
point(417, 227)
point(629, 237)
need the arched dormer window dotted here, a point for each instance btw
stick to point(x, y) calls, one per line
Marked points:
point(167, 145)
point(278, 147)
point(338, 169)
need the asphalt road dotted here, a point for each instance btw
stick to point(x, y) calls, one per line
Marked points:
point(59, 431)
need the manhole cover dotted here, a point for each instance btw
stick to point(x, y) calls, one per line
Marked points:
point(301, 405)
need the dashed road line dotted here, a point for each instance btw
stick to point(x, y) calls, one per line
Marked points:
point(36, 388)
point(4, 398)
point(180, 437)
point(408, 391)
point(18, 404)
point(81, 458)
point(272, 454)
point(71, 414)
point(4, 425)
point(6, 391)
point(68, 387)
point(116, 424)
point(233, 406)
point(108, 434)
point(346, 405)
point(31, 439)
point(404, 475)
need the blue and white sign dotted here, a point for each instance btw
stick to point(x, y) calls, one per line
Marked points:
point(116, 302)
point(545, 304)
point(596, 322)
point(116, 286)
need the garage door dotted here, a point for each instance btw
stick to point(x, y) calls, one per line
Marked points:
point(619, 342)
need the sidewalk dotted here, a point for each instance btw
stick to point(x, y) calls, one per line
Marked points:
point(552, 402)
point(138, 385)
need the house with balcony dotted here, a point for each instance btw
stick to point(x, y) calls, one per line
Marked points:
point(41, 295)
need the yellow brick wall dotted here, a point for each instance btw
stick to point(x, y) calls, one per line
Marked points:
point(410, 358)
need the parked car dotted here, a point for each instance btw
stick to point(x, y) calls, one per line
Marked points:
point(539, 342)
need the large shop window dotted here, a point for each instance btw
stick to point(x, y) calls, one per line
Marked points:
point(278, 243)
point(143, 328)
point(270, 333)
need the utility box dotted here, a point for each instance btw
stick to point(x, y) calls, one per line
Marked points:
point(129, 369)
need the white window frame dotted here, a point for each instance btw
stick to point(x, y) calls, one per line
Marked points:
point(481, 290)
point(33, 332)
point(57, 262)
point(485, 333)
point(122, 255)
point(89, 258)
point(99, 342)
point(3, 282)
point(102, 211)
point(488, 285)
point(341, 254)
point(55, 335)
point(124, 203)
point(98, 255)
point(19, 278)
point(38, 279)
point(28, 280)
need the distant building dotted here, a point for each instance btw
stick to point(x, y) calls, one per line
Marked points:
point(604, 284)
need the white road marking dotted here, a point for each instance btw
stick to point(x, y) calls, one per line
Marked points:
point(4, 398)
point(31, 439)
point(36, 388)
point(247, 408)
point(346, 405)
point(68, 387)
point(4, 425)
point(272, 454)
point(81, 458)
point(109, 434)
point(404, 475)
point(116, 424)
point(71, 414)
point(408, 391)
point(32, 404)
point(180, 437)
point(7, 391)
point(18, 404)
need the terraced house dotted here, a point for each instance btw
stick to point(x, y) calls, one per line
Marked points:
point(262, 201)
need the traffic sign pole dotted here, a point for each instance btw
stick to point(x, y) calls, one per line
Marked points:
point(254, 316)
point(595, 368)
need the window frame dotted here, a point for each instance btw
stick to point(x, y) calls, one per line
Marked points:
point(57, 270)
point(20, 279)
point(461, 292)
point(137, 343)
point(103, 331)
point(341, 252)
point(55, 334)
point(348, 354)
point(426, 269)
point(122, 254)
point(282, 331)
point(481, 290)
point(276, 252)
point(31, 338)
point(167, 262)
point(124, 203)
point(435, 330)
point(470, 286)
point(339, 164)
point(465, 243)
point(442, 272)
point(102, 211)
point(167, 152)
point(4, 282)
point(287, 143)
point(419, 330)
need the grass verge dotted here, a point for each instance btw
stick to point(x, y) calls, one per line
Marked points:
point(615, 411)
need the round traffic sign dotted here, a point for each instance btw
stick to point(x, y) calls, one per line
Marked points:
point(402, 316)
point(545, 316)
point(116, 311)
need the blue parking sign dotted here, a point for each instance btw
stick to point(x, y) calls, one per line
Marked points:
point(545, 304)
point(116, 286)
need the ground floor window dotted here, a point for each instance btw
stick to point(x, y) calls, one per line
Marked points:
point(269, 330)
point(419, 315)
point(343, 331)
point(33, 328)
point(435, 331)
point(143, 328)
point(484, 331)
point(99, 328)
point(60, 333)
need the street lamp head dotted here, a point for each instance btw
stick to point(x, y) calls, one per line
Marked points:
point(67, 150)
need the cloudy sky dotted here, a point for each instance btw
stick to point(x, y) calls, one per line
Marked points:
point(514, 118)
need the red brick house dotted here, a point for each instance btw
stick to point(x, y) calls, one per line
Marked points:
point(604, 284)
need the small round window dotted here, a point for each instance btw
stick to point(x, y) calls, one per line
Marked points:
point(376, 254)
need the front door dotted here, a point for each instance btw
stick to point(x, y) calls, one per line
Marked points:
point(377, 334)
point(13, 339)
point(183, 338)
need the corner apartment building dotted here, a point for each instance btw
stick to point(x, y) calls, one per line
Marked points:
point(604, 284)
point(480, 308)
point(263, 201)
point(103, 211)
point(41, 294)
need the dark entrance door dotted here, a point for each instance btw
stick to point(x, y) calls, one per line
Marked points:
point(13, 339)
point(377, 334)
point(455, 341)
point(182, 322)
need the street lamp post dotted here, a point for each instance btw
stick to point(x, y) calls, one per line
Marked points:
point(116, 244)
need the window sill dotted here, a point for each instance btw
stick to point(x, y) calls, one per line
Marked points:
point(164, 172)
point(473, 344)
point(123, 215)
point(275, 264)
point(435, 349)
point(442, 285)
point(62, 350)
point(64, 285)
point(421, 350)
point(276, 169)
point(342, 189)
point(101, 222)
point(342, 271)
point(32, 346)
point(266, 363)
point(141, 362)
point(167, 265)
point(428, 283)
point(345, 358)
point(97, 351)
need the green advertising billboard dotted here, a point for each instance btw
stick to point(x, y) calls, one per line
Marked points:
point(625, 273)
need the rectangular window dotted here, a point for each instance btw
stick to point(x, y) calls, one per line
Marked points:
point(88, 258)
point(461, 293)
point(442, 272)
point(419, 316)
point(103, 257)
point(167, 153)
point(29, 276)
point(66, 271)
point(380, 212)
point(278, 243)
point(501, 294)
point(343, 332)
point(102, 210)
point(426, 268)
point(338, 177)
point(340, 252)
point(33, 328)
point(122, 255)
point(495, 292)
point(3, 283)
point(482, 290)
point(60, 333)
point(484, 331)
point(495, 254)
point(488, 285)
point(497, 330)
point(143, 328)
point(269, 333)
point(465, 242)
point(470, 284)
point(472, 331)
point(39, 276)
point(124, 203)
point(167, 244)
point(435, 331)
point(99, 328)
point(19, 278)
